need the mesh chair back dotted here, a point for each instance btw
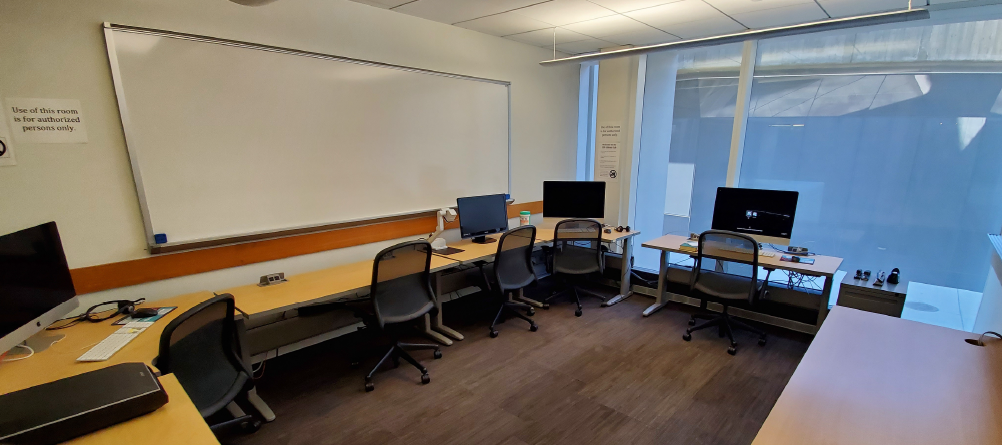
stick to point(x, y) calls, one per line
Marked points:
point(577, 246)
point(200, 348)
point(513, 261)
point(724, 246)
point(401, 282)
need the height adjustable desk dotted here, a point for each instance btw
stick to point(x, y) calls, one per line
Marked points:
point(344, 282)
point(473, 252)
point(824, 266)
point(176, 422)
point(872, 379)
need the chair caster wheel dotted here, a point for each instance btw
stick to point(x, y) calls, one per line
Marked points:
point(687, 336)
point(761, 342)
point(494, 334)
point(425, 379)
point(437, 354)
point(530, 312)
point(369, 387)
point(692, 322)
point(731, 350)
point(533, 328)
point(577, 313)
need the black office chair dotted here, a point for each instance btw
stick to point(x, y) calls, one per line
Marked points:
point(401, 293)
point(513, 271)
point(724, 288)
point(577, 251)
point(201, 349)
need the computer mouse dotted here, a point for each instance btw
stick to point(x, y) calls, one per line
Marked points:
point(796, 259)
point(145, 312)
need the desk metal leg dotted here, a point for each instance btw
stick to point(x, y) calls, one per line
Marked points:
point(826, 295)
point(529, 301)
point(434, 335)
point(659, 301)
point(260, 406)
point(435, 322)
point(624, 276)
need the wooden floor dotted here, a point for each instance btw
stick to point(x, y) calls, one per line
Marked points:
point(608, 377)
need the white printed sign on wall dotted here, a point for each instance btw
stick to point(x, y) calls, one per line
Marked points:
point(46, 121)
point(6, 149)
point(610, 132)
point(607, 161)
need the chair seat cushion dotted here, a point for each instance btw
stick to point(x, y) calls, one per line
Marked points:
point(725, 286)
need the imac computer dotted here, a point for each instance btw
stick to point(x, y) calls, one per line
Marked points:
point(482, 215)
point(574, 199)
point(766, 215)
point(35, 284)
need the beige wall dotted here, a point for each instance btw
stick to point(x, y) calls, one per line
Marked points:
point(617, 100)
point(55, 49)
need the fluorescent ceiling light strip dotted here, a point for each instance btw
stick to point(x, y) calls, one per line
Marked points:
point(754, 34)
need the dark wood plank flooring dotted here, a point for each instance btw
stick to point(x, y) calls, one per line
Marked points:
point(608, 377)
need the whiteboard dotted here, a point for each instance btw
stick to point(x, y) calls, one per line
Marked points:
point(229, 139)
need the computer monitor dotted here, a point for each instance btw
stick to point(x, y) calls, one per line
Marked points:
point(766, 215)
point(573, 199)
point(482, 215)
point(35, 284)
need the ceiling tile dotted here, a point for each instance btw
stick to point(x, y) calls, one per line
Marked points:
point(730, 7)
point(787, 15)
point(704, 28)
point(385, 4)
point(630, 5)
point(607, 26)
point(544, 37)
point(846, 8)
point(504, 24)
point(584, 46)
point(452, 11)
point(684, 11)
point(648, 36)
point(562, 12)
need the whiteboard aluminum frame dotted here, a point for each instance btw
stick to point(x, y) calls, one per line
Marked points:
point(123, 109)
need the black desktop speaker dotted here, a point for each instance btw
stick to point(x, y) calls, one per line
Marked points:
point(61, 410)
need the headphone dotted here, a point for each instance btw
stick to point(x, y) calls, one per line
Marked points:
point(623, 229)
point(124, 307)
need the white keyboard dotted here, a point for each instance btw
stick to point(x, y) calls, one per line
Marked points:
point(767, 254)
point(117, 340)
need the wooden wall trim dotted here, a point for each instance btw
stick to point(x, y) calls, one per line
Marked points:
point(173, 265)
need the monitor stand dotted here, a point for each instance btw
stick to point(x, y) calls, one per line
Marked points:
point(42, 340)
point(484, 240)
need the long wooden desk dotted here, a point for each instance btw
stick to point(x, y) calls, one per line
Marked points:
point(873, 379)
point(473, 252)
point(824, 266)
point(176, 422)
point(326, 286)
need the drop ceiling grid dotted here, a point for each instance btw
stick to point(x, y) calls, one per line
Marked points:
point(584, 26)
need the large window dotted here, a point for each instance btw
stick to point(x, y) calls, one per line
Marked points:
point(893, 139)
point(681, 168)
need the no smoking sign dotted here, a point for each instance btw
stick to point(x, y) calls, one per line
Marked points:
point(6, 153)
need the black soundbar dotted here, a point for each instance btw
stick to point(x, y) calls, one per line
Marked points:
point(61, 410)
